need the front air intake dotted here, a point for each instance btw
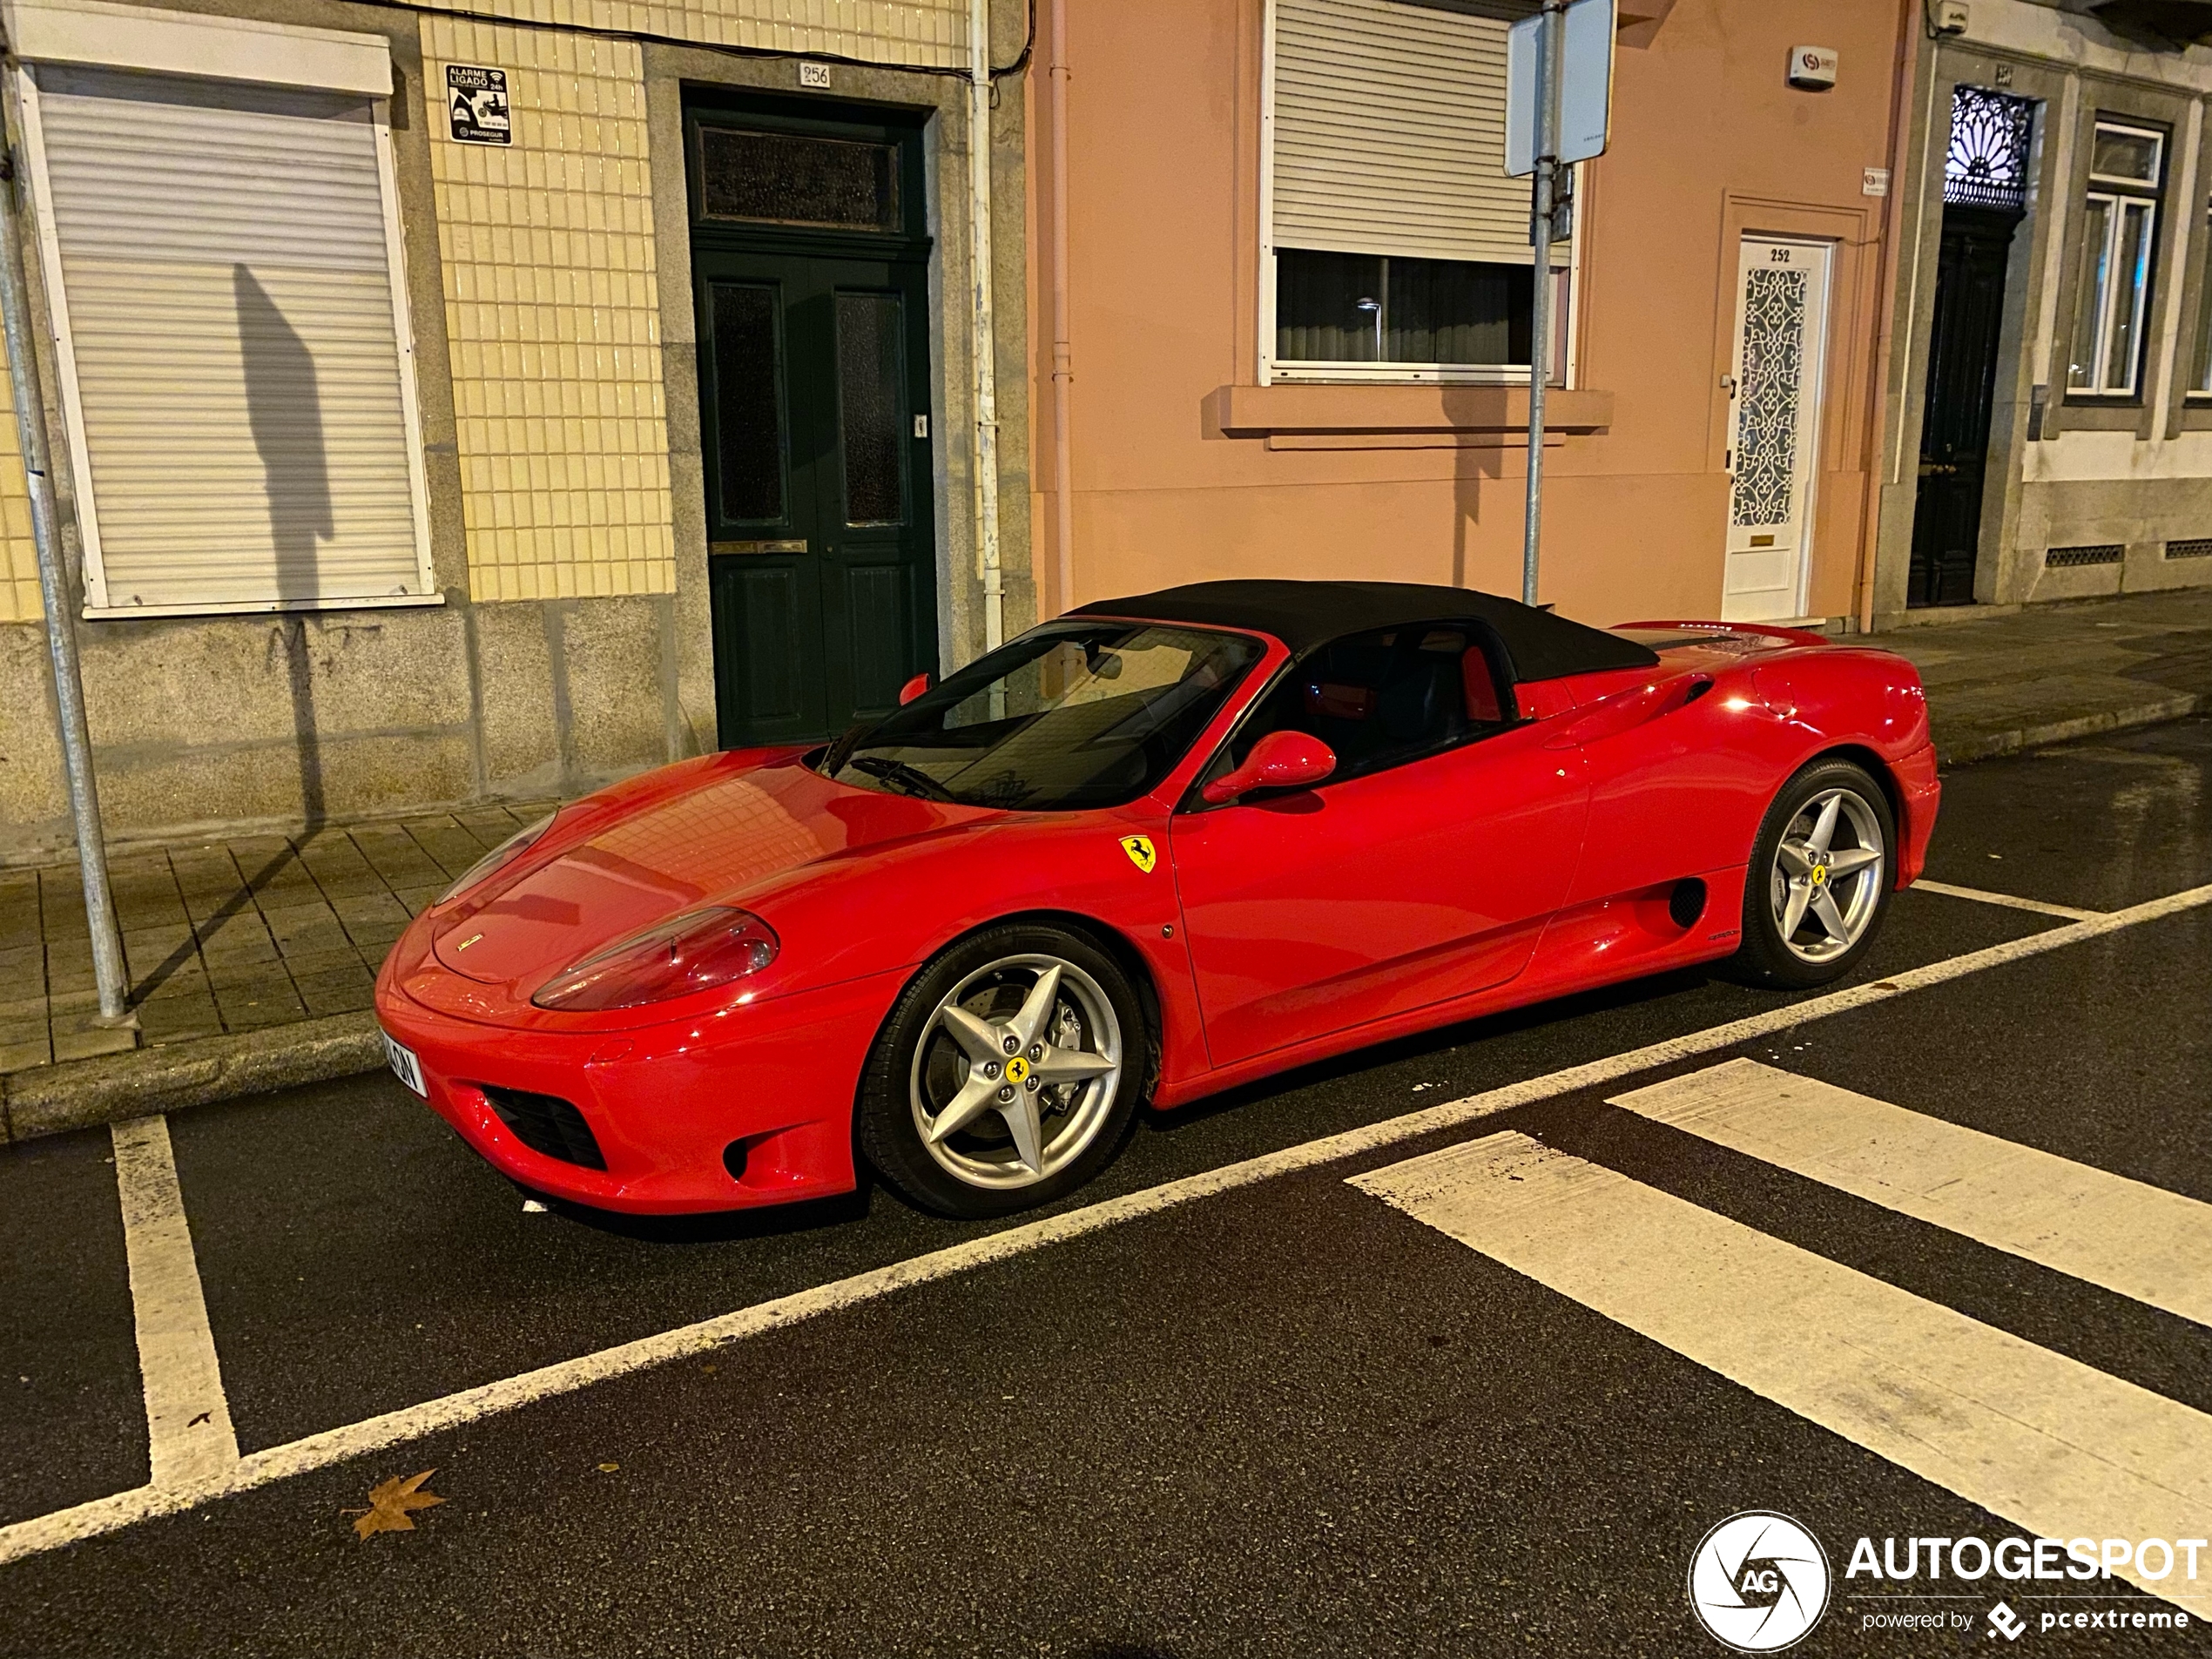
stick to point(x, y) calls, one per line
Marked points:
point(546, 1124)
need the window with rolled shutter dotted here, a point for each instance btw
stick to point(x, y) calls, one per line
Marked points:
point(222, 264)
point(1396, 245)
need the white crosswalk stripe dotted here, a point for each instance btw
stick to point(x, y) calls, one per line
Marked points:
point(2139, 1240)
point(2042, 1440)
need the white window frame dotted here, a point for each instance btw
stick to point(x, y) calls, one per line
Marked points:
point(103, 36)
point(2104, 293)
point(1273, 370)
point(2200, 385)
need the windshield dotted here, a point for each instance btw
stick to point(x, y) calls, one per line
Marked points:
point(1070, 715)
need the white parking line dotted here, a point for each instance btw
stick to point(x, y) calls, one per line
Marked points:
point(335, 1446)
point(188, 1418)
point(2045, 1441)
point(2142, 1241)
point(1980, 895)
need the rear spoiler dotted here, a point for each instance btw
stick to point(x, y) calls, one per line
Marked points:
point(1770, 629)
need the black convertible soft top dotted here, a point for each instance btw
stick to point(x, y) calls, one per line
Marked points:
point(1305, 614)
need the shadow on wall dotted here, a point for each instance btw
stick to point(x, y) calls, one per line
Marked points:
point(284, 410)
point(1474, 466)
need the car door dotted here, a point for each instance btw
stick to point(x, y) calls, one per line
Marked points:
point(1423, 870)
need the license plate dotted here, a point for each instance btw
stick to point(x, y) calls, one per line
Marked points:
point(404, 1065)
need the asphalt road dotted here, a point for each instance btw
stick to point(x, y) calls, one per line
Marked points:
point(1284, 1417)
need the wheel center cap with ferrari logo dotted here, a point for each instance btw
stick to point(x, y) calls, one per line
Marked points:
point(1016, 1069)
point(1820, 875)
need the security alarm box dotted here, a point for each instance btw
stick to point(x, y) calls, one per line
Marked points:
point(1812, 67)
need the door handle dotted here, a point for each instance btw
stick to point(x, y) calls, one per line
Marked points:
point(756, 546)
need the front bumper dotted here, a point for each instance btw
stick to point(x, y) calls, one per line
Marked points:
point(666, 1103)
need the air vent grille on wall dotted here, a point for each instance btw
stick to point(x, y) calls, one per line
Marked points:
point(2058, 558)
point(2199, 548)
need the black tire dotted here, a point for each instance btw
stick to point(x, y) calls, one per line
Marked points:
point(903, 1079)
point(1765, 956)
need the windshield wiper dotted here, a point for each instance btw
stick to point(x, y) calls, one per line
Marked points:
point(841, 748)
point(913, 778)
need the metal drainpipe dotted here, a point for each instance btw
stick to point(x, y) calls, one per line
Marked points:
point(1063, 351)
point(1894, 231)
point(58, 594)
point(985, 345)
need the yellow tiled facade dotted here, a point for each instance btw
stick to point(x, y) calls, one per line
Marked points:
point(18, 553)
point(552, 316)
point(932, 32)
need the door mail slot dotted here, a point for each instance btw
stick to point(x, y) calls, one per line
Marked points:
point(756, 546)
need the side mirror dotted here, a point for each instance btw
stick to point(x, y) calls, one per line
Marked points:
point(1279, 760)
point(915, 687)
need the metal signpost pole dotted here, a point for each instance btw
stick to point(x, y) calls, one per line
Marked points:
point(57, 593)
point(1550, 58)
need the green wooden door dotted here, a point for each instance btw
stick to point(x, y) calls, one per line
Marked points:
point(813, 379)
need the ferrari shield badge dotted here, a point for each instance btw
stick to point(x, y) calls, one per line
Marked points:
point(1139, 848)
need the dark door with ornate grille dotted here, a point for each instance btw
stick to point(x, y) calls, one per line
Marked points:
point(1985, 194)
point(1962, 380)
point(812, 289)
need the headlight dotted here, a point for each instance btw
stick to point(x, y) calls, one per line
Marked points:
point(695, 951)
point(505, 854)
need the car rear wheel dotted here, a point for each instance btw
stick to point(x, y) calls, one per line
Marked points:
point(1821, 876)
point(1007, 1075)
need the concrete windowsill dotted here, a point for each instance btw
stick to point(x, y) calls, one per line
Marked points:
point(1401, 417)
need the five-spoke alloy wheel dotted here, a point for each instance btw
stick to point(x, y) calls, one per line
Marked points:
point(1006, 1074)
point(1820, 877)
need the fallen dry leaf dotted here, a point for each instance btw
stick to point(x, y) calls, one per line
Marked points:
point(609, 1468)
point(389, 1502)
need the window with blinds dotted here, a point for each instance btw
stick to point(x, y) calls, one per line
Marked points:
point(236, 373)
point(1397, 247)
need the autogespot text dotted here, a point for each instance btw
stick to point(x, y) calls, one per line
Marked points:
point(1901, 1560)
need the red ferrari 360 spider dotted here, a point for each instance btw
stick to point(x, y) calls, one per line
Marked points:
point(1158, 846)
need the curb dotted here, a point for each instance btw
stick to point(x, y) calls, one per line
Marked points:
point(1988, 745)
point(81, 1094)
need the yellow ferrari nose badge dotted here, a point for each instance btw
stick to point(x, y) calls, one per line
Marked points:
point(1139, 848)
point(1016, 1069)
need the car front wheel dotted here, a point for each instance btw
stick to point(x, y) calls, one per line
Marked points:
point(1821, 876)
point(1007, 1075)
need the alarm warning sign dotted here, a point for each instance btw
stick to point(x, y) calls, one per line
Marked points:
point(478, 98)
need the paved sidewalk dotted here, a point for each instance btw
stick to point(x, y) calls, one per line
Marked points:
point(2047, 674)
point(226, 938)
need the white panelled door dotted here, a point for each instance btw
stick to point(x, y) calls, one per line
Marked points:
point(1774, 430)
